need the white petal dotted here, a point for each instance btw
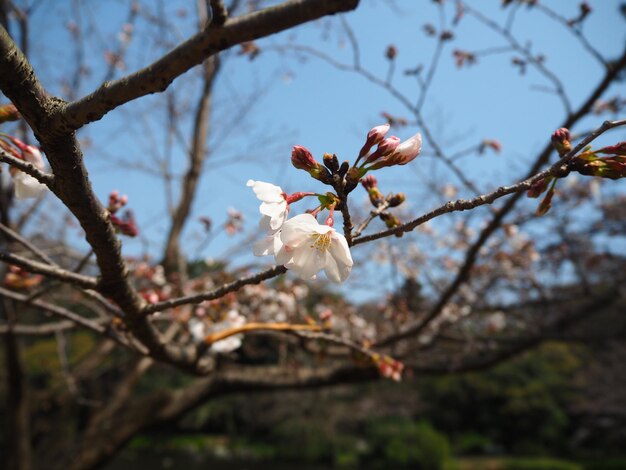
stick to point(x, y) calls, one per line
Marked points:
point(26, 186)
point(284, 254)
point(410, 148)
point(277, 212)
point(340, 250)
point(306, 262)
point(269, 245)
point(298, 229)
point(226, 345)
point(266, 192)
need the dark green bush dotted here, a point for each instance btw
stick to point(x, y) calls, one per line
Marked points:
point(402, 443)
point(605, 464)
point(540, 464)
point(302, 441)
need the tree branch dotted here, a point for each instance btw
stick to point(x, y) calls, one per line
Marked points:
point(157, 76)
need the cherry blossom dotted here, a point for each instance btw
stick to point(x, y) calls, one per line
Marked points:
point(273, 202)
point(233, 320)
point(309, 247)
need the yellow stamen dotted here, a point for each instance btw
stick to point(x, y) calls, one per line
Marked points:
point(322, 241)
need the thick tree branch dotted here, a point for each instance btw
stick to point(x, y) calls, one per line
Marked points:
point(52, 271)
point(158, 76)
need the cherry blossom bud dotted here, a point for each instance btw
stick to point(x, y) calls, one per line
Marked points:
point(9, 112)
point(402, 154)
point(494, 145)
point(353, 177)
point(125, 225)
point(302, 159)
point(446, 35)
point(391, 221)
point(396, 199)
point(391, 52)
point(561, 141)
point(331, 162)
point(617, 149)
point(386, 147)
point(369, 182)
point(408, 150)
point(374, 136)
point(546, 203)
point(538, 187)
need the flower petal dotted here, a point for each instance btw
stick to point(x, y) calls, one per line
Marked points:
point(26, 186)
point(266, 192)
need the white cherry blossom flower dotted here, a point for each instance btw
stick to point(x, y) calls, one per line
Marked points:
point(273, 202)
point(309, 247)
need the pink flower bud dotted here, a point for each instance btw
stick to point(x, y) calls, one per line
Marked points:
point(369, 182)
point(385, 148)
point(538, 187)
point(374, 136)
point(408, 150)
point(302, 159)
point(617, 149)
point(125, 225)
point(561, 141)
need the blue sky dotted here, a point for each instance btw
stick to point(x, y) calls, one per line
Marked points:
point(308, 102)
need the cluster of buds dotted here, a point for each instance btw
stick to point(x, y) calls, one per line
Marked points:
point(388, 367)
point(377, 199)
point(18, 278)
point(126, 224)
point(612, 167)
point(389, 151)
point(116, 202)
point(588, 163)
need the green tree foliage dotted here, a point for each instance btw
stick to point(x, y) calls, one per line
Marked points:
point(520, 405)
